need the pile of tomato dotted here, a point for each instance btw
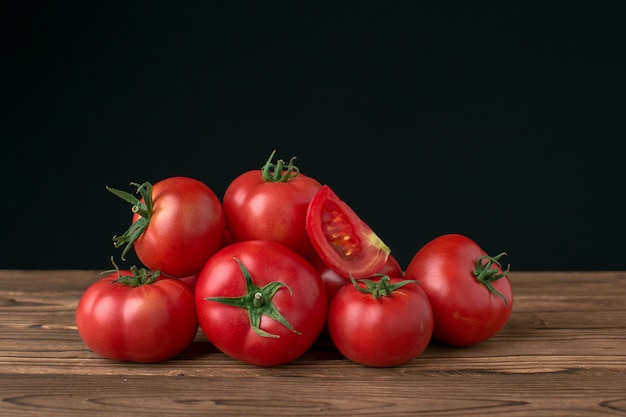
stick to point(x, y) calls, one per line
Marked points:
point(274, 265)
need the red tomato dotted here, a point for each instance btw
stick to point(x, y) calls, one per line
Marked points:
point(388, 324)
point(177, 225)
point(190, 281)
point(344, 242)
point(333, 281)
point(392, 268)
point(271, 204)
point(469, 292)
point(260, 302)
point(150, 322)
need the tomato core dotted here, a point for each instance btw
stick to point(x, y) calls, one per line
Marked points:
point(339, 232)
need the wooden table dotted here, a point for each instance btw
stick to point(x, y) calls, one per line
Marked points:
point(563, 352)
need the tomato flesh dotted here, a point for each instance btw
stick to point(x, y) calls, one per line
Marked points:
point(339, 232)
point(341, 239)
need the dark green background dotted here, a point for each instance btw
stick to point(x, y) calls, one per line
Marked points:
point(505, 124)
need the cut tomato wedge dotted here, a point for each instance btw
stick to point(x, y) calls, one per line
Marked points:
point(341, 239)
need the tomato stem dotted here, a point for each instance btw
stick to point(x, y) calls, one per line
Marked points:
point(140, 276)
point(258, 302)
point(142, 208)
point(279, 172)
point(381, 287)
point(485, 274)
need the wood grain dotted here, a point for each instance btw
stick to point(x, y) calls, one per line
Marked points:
point(563, 352)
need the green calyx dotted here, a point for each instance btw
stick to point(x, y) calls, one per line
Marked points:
point(258, 302)
point(144, 209)
point(490, 271)
point(140, 276)
point(381, 287)
point(279, 172)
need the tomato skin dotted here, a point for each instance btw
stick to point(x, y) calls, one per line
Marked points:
point(333, 281)
point(341, 239)
point(190, 281)
point(392, 268)
point(148, 323)
point(186, 227)
point(381, 332)
point(265, 210)
point(465, 311)
point(228, 327)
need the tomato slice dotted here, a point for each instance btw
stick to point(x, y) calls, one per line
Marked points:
point(344, 242)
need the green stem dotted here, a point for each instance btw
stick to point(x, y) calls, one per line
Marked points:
point(490, 271)
point(381, 287)
point(140, 276)
point(279, 172)
point(142, 208)
point(258, 302)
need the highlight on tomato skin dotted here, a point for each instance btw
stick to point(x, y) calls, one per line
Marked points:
point(341, 238)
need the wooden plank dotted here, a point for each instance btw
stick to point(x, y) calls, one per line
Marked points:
point(562, 353)
point(269, 395)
